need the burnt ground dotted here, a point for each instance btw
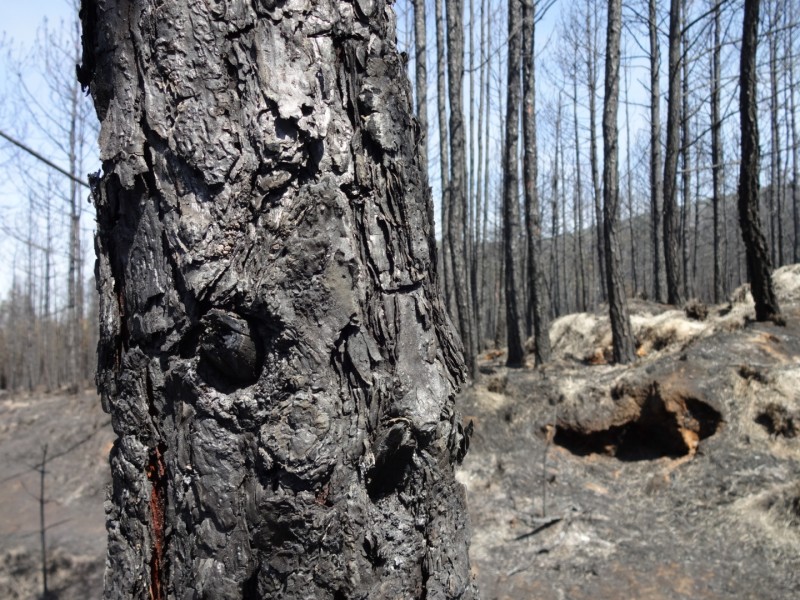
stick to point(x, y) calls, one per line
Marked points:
point(676, 477)
point(78, 437)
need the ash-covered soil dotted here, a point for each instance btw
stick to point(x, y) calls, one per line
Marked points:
point(675, 477)
point(78, 437)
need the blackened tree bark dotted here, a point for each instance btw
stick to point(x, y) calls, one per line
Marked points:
point(581, 276)
point(624, 347)
point(670, 209)
point(274, 352)
point(538, 311)
point(792, 107)
point(516, 355)
point(656, 183)
point(716, 151)
point(774, 195)
point(459, 241)
point(759, 268)
point(555, 234)
point(421, 77)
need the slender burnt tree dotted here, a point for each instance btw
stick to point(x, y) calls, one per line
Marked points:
point(716, 151)
point(670, 207)
point(274, 352)
point(516, 355)
point(759, 267)
point(421, 79)
point(537, 310)
point(458, 238)
point(624, 348)
point(656, 181)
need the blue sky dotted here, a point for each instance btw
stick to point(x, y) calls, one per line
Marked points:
point(19, 26)
point(21, 19)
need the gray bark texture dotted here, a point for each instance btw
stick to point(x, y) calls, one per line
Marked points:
point(274, 352)
point(759, 268)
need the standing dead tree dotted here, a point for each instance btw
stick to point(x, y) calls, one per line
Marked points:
point(759, 268)
point(274, 352)
point(624, 348)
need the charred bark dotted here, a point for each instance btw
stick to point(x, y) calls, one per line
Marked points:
point(670, 209)
point(591, 85)
point(421, 80)
point(444, 160)
point(759, 268)
point(274, 350)
point(716, 152)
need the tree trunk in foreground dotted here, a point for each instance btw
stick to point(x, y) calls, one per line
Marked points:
point(759, 269)
point(274, 352)
point(624, 347)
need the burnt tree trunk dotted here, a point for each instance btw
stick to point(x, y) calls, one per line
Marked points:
point(538, 312)
point(591, 85)
point(421, 80)
point(670, 208)
point(716, 153)
point(274, 350)
point(444, 160)
point(516, 355)
point(457, 230)
point(656, 182)
point(759, 268)
point(624, 348)
point(686, 172)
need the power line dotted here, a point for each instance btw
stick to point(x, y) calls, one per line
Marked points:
point(49, 163)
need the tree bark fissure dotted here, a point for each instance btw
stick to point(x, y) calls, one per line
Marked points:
point(275, 353)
